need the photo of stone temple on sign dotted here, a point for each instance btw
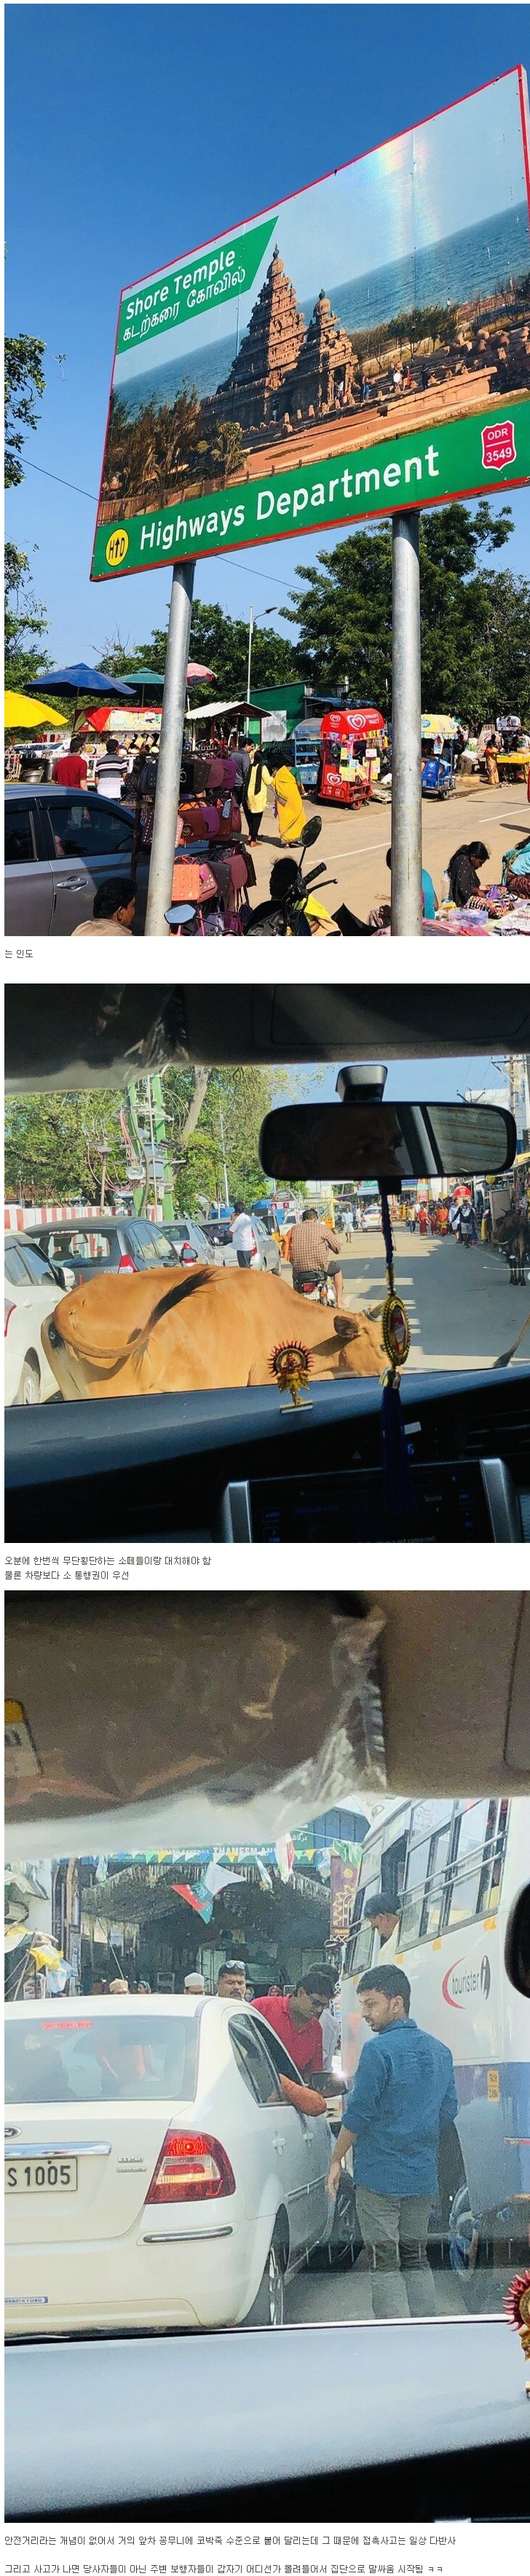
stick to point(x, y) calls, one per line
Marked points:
point(276, 374)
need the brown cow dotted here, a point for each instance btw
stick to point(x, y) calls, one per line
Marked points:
point(145, 1335)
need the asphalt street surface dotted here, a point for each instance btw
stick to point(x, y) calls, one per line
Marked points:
point(354, 845)
point(334, 2297)
point(461, 1308)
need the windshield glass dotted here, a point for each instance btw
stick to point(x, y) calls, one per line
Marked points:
point(315, 2034)
point(184, 1146)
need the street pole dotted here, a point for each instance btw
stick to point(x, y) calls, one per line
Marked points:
point(406, 726)
point(249, 664)
point(170, 753)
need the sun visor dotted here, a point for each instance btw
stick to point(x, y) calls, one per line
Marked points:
point(108, 1035)
point(456, 1692)
point(203, 1721)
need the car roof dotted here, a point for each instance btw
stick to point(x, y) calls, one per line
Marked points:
point(74, 2009)
point(37, 787)
point(96, 1220)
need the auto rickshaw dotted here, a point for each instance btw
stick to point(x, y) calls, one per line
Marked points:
point(438, 755)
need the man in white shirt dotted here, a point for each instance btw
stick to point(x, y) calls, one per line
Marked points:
point(111, 770)
point(243, 1236)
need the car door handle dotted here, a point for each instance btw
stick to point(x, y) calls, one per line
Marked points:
point(73, 885)
point(279, 2142)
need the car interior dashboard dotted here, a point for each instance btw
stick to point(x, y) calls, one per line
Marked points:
point(246, 1464)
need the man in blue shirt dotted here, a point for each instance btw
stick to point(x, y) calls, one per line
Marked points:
point(402, 2095)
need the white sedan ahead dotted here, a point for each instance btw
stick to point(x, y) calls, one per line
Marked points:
point(32, 1289)
point(155, 2174)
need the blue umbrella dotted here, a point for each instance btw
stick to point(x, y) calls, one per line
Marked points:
point(77, 681)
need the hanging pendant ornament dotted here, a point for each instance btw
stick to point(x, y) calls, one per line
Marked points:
point(290, 1365)
point(398, 1489)
point(395, 1329)
point(517, 2305)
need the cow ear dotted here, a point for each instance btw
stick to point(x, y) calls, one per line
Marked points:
point(346, 1327)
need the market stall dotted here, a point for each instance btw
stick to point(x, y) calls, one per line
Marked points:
point(350, 755)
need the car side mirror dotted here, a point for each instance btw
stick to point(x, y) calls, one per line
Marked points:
point(517, 1944)
point(65, 1276)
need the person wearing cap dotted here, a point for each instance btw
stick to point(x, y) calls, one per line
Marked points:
point(195, 1984)
point(232, 1980)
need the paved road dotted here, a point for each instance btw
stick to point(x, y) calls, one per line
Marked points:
point(354, 845)
point(461, 1308)
point(331, 2298)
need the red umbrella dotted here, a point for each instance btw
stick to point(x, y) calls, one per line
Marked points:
point(197, 671)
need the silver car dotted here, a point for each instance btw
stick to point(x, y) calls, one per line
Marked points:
point(223, 1250)
point(60, 844)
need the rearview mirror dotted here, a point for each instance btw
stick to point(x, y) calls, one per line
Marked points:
point(387, 1141)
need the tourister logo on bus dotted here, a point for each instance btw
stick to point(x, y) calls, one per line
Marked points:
point(460, 1984)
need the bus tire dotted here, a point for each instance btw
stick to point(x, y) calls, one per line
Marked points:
point(463, 2233)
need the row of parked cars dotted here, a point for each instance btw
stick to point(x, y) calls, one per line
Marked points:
point(46, 1261)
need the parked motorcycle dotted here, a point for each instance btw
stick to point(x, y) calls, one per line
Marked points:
point(292, 911)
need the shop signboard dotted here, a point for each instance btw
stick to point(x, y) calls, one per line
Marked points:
point(249, 401)
point(343, 1882)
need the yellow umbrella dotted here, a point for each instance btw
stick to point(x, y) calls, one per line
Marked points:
point(27, 713)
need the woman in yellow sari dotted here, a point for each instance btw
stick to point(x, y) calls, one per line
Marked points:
point(289, 807)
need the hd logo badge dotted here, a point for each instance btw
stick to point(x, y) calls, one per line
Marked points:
point(117, 546)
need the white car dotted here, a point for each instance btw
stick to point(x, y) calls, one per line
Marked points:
point(155, 2176)
point(32, 1289)
point(371, 1215)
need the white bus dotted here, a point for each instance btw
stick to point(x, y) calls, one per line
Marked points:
point(452, 1868)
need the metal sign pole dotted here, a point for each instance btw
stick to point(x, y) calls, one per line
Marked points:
point(170, 753)
point(406, 726)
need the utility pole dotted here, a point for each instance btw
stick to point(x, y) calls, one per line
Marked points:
point(256, 620)
point(225, 1173)
point(170, 754)
point(406, 727)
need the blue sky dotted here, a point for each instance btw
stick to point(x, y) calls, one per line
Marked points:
point(146, 128)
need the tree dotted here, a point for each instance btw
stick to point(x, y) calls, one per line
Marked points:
point(345, 611)
point(23, 381)
point(24, 617)
point(221, 642)
point(52, 1139)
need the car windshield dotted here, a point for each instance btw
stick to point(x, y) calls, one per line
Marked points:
point(334, 2005)
point(461, 1239)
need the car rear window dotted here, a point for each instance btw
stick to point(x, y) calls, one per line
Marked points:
point(150, 1244)
point(108, 2057)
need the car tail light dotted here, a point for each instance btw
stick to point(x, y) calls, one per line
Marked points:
point(187, 1253)
point(191, 2167)
point(8, 1310)
point(125, 1262)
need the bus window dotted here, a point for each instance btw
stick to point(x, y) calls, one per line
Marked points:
point(490, 1887)
point(393, 1862)
point(469, 1862)
point(436, 1884)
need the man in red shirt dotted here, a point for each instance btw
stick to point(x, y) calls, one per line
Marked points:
point(70, 770)
point(296, 2019)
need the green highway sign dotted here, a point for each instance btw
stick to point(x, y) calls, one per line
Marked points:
point(202, 284)
point(485, 451)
